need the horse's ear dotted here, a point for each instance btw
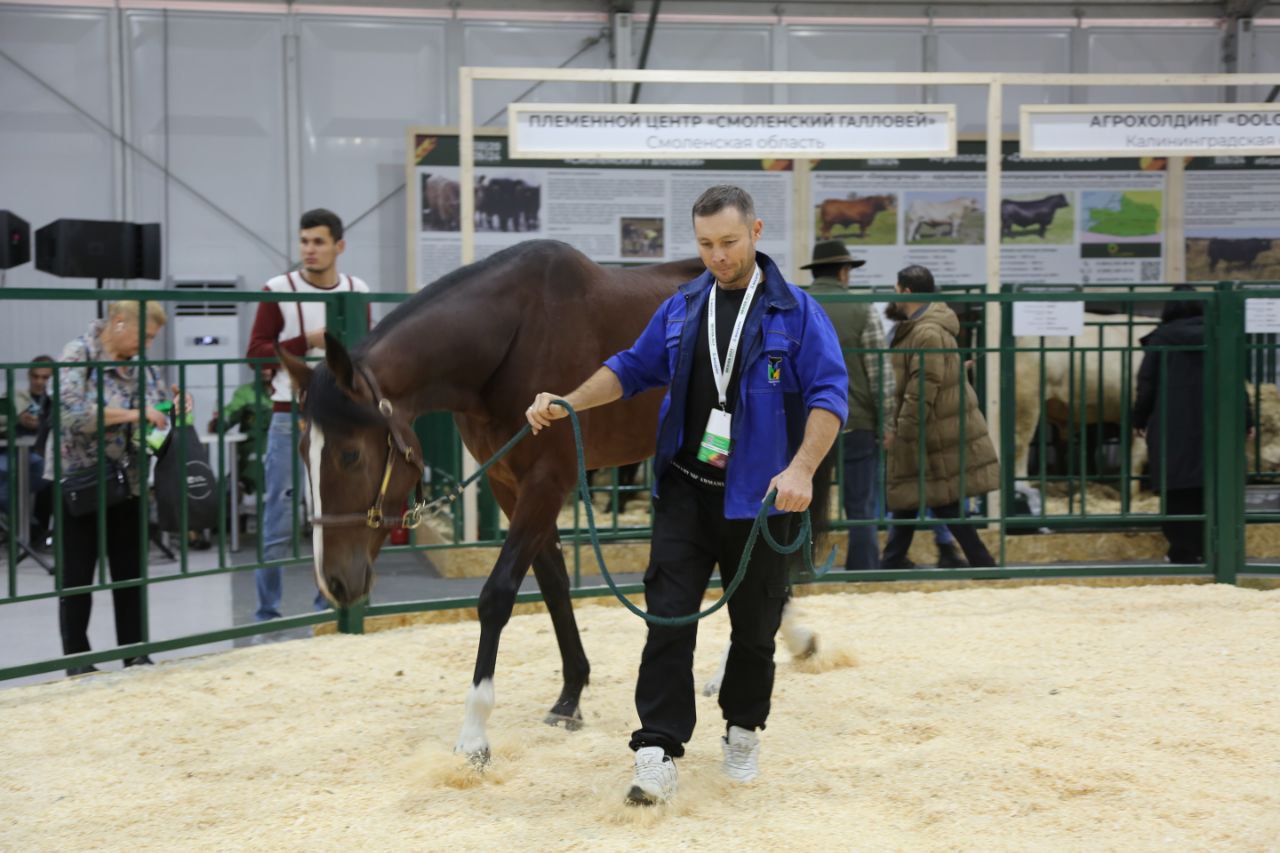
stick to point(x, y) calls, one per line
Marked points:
point(339, 361)
point(299, 371)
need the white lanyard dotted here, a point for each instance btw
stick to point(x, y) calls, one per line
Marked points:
point(721, 375)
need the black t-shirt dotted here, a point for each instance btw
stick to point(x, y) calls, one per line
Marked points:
point(702, 395)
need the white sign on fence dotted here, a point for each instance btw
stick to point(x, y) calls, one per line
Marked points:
point(1135, 130)
point(1261, 316)
point(660, 131)
point(1048, 319)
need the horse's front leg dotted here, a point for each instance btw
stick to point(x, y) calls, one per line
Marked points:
point(532, 529)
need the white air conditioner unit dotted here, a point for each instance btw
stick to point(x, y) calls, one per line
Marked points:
point(201, 331)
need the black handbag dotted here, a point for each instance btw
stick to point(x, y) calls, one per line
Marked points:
point(198, 485)
point(80, 488)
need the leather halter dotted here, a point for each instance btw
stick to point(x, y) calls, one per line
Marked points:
point(374, 517)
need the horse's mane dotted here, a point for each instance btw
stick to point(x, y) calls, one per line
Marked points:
point(453, 280)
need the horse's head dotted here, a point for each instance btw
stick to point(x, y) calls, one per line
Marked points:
point(360, 455)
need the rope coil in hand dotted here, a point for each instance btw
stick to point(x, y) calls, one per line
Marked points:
point(760, 526)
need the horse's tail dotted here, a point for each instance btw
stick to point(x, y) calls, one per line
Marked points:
point(819, 513)
point(820, 508)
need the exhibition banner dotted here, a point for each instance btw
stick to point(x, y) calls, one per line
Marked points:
point(1051, 130)
point(1232, 218)
point(623, 211)
point(1078, 221)
point(658, 130)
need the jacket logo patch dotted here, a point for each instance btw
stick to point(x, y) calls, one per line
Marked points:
point(775, 369)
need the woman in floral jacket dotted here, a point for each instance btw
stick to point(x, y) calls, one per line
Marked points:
point(114, 339)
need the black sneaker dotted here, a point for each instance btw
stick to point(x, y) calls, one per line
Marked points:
point(902, 564)
point(82, 670)
point(140, 660)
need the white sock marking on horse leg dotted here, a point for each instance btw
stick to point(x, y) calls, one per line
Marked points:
point(799, 638)
point(317, 531)
point(1032, 494)
point(479, 703)
point(712, 687)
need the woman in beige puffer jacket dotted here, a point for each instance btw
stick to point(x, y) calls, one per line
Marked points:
point(931, 389)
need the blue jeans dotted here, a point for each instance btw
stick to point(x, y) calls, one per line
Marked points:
point(941, 533)
point(277, 524)
point(35, 465)
point(861, 490)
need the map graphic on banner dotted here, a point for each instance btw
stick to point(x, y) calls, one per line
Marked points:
point(1070, 221)
point(618, 212)
point(1232, 221)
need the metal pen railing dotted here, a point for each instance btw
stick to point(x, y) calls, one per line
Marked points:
point(1229, 358)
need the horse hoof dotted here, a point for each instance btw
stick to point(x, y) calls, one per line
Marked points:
point(479, 759)
point(571, 723)
point(809, 650)
point(711, 688)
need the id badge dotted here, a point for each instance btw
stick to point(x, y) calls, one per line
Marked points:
point(714, 448)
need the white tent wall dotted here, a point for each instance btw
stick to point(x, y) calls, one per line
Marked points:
point(1021, 49)
point(262, 114)
point(826, 47)
point(357, 80)
point(57, 161)
point(1263, 49)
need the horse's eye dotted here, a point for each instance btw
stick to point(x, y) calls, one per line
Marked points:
point(348, 458)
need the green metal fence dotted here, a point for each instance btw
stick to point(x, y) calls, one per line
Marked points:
point(1226, 352)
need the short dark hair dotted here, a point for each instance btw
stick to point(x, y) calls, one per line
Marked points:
point(319, 216)
point(42, 358)
point(1180, 309)
point(717, 198)
point(916, 279)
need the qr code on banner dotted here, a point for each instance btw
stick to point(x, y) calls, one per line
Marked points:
point(1149, 271)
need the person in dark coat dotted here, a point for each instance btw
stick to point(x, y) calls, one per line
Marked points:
point(1174, 425)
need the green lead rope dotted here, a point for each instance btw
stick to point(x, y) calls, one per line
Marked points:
point(760, 526)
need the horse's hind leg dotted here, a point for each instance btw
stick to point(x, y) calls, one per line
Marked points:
point(801, 641)
point(553, 581)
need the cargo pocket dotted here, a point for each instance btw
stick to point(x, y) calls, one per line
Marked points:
point(778, 582)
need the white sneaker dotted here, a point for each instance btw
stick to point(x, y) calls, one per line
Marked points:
point(741, 754)
point(654, 781)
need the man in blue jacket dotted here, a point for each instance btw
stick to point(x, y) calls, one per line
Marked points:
point(757, 394)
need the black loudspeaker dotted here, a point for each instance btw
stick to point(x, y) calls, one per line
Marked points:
point(90, 248)
point(15, 240)
point(146, 251)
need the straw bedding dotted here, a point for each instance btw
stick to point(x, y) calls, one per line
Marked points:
point(1042, 717)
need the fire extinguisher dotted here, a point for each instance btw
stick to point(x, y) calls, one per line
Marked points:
point(400, 535)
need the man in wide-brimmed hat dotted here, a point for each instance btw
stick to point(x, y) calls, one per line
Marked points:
point(871, 390)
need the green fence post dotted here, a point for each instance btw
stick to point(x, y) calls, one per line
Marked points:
point(1227, 545)
point(1008, 410)
point(351, 619)
point(347, 319)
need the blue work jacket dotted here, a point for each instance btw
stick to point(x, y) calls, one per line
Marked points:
point(791, 363)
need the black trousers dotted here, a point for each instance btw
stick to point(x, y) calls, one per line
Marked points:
point(690, 537)
point(900, 536)
point(79, 559)
point(1186, 538)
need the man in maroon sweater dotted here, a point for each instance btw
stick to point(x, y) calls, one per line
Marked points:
point(298, 327)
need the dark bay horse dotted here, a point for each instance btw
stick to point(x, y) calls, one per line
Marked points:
point(480, 343)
